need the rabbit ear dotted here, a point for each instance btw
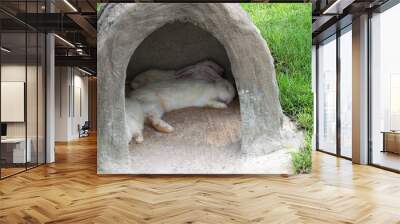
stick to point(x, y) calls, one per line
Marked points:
point(210, 74)
point(214, 66)
point(219, 69)
point(183, 74)
point(184, 71)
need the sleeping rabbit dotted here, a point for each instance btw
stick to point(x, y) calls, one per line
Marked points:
point(206, 70)
point(134, 120)
point(160, 97)
point(152, 75)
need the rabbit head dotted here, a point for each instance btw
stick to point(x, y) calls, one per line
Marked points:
point(225, 91)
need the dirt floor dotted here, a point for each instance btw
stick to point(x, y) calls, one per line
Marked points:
point(205, 141)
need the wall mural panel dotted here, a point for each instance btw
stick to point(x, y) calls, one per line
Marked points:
point(192, 90)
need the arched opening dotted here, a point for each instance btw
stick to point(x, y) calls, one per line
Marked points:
point(176, 45)
point(197, 130)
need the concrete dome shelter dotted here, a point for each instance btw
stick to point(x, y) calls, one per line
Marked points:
point(134, 37)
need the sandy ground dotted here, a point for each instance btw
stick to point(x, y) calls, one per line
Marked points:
point(205, 141)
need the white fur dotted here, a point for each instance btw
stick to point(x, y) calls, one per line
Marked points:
point(152, 75)
point(204, 70)
point(160, 97)
point(214, 66)
point(134, 120)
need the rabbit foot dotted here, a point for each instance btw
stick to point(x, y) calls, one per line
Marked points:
point(161, 125)
point(139, 139)
point(136, 139)
point(217, 105)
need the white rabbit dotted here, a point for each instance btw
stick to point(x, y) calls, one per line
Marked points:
point(152, 75)
point(206, 70)
point(134, 120)
point(160, 97)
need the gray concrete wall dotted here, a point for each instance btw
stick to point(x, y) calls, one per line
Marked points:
point(175, 46)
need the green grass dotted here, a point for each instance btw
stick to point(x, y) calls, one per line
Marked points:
point(287, 30)
point(98, 7)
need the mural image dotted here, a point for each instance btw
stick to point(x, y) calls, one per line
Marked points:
point(192, 89)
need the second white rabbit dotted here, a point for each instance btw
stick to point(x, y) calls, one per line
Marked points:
point(205, 70)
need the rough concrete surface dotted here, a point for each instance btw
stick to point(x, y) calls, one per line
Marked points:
point(264, 131)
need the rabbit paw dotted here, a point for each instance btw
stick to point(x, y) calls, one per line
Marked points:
point(139, 139)
point(217, 105)
point(161, 125)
